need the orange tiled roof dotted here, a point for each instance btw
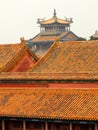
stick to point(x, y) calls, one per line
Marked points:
point(69, 104)
point(69, 57)
point(10, 54)
point(55, 19)
point(29, 76)
point(95, 34)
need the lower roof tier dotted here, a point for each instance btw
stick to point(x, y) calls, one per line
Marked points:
point(67, 104)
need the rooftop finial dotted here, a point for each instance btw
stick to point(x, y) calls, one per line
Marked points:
point(54, 14)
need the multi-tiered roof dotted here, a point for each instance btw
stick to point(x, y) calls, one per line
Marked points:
point(50, 30)
point(54, 26)
point(63, 85)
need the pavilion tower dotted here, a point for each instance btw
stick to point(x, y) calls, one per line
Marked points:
point(54, 26)
point(50, 30)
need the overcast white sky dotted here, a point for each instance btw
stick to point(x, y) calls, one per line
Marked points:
point(18, 17)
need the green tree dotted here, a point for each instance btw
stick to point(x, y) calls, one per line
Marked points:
point(81, 39)
point(93, 38)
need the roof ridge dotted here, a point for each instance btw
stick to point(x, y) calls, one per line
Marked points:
point(83, 77)
point(32, 53)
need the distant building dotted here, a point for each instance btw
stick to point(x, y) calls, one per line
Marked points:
point(50, 30)
point(94, 36)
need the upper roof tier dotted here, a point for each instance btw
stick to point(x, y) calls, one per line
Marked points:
point(55, 20)
point(69, 57)
point(35, 77)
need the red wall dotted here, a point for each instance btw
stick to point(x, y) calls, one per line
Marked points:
point(73, 85)
point(51, 85)
point(24, 65)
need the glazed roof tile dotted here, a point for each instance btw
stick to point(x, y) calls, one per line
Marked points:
point(69, 57)
point(95, 34)
point(11, 53)
point(55, 19)
point(29, 76)
point(69, 104)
